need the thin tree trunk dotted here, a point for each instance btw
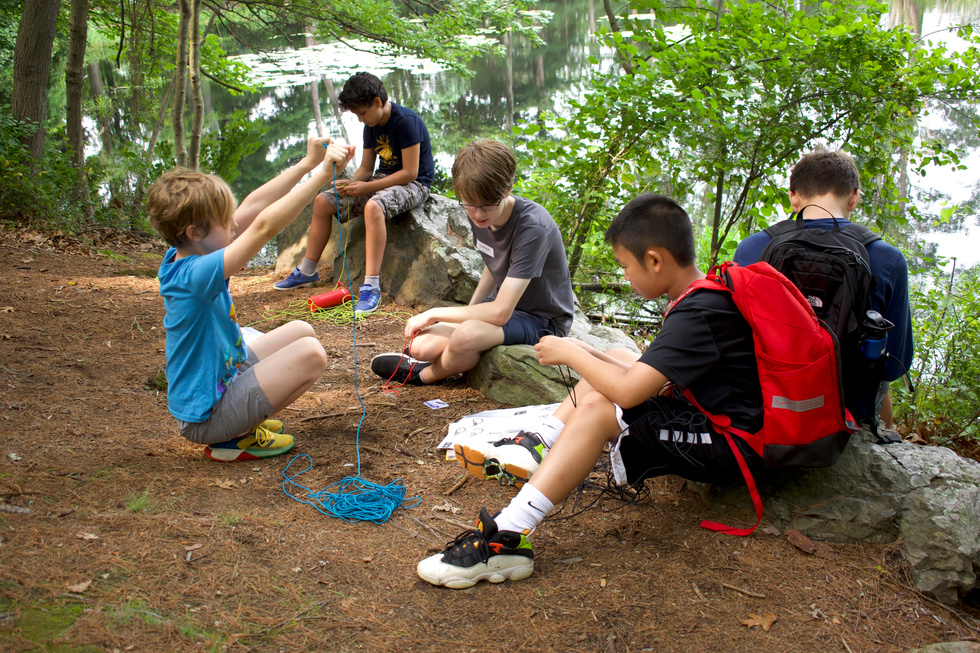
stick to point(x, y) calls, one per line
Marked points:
point(105, 125)
point(180, 83)
point(716, 217)
point(32, 64)
point(314, 86)
point(74, 77)
point(197, 93)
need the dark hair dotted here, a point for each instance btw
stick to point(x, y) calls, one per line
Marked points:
point(652, 220)
point(822, 171)
point(360, 90)
point(484, 171)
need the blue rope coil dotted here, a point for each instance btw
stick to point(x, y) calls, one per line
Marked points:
point(353, 499)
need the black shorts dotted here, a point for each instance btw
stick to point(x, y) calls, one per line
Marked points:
point(665, 435)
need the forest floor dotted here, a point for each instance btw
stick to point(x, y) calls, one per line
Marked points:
point(135, 541)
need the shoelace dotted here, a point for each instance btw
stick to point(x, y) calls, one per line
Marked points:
point(263, 436)
point(482, 547)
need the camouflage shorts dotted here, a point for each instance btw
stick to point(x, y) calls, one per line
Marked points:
point(393, 200)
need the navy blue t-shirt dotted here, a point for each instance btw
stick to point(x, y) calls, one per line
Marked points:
point(403, 129)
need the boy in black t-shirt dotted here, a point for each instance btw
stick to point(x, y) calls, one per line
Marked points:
point(624, 400)
point(398, 137)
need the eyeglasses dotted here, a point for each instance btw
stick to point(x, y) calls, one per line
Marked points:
point(478, 208)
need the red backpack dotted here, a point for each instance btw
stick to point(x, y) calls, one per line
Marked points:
point(804, 423)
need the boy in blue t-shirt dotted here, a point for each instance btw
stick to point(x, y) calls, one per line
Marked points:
point(397, 136)
point(221, 390)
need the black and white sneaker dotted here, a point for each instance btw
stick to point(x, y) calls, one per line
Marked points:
point(481, 554)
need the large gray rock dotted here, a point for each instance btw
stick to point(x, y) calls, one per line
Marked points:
point(929, 497)
point(513, 376)
point(428, 261)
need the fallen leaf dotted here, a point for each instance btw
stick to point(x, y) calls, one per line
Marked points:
point(224, 485)
point(78, 588)
point(769, 529)
point(25, 261)
point(14, 457)
point(368, 559)
point(805, 544)
point(447, 507)
point(86, 536)
point(764, 620)
point(6, 309)
point(193, 547)
point(800, 541)
point(297, 569)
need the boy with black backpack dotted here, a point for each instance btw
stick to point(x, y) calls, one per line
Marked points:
point(855, 281)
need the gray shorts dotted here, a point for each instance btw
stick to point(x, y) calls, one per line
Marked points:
point(393, 200)
point(241, 408)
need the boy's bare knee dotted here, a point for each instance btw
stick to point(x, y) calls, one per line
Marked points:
point(304, 329)
point(322, 206)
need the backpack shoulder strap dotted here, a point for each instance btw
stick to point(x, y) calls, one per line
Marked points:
point(861, 234)
point(791, 223)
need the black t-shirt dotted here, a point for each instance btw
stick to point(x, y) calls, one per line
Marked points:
point(705, 345)
point(403, 129)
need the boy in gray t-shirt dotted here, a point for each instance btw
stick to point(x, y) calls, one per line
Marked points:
point(525, 291)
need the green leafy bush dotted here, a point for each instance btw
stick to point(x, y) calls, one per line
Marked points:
point(944, 406)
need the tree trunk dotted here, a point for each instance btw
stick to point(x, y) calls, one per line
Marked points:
point(197, 94)
point(105, 126)
point(74, 77)
point(32, 63)
point(180, 83)
point(716, 218)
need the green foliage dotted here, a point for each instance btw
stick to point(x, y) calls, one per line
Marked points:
point(139, 502)
point(945, 405)
point(716, 105)
point(35, 190)
point(237, 138)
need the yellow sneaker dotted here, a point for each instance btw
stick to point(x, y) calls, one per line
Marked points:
point(260, 443)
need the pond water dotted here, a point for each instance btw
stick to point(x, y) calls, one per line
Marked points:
point(515, 88)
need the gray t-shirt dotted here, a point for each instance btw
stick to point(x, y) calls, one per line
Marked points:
point(529, 246)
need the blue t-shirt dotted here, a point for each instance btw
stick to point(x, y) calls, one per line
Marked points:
point(204, 343)
point(403, 129)
point(890, 297)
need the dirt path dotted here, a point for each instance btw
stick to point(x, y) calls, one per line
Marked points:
point(136, 541)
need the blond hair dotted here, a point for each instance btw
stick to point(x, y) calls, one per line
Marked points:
point(182, 197)
point(484, 171)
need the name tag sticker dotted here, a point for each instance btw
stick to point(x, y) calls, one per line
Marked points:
point(483, 247)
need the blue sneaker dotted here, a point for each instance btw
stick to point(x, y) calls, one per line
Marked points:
point(297, 279)
point(368, 300)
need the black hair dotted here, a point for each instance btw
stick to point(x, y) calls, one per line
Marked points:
point(652, 220)
point(360, 90)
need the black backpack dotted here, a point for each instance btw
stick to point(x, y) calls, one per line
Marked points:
point(832, 269)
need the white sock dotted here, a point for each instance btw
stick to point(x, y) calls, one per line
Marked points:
point(550, 430)
point(307, 267)
point(374, 282)
point(525, 511)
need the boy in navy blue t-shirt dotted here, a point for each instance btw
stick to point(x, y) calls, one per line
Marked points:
point(398, 137)
point(825, 186)
point(221, 390)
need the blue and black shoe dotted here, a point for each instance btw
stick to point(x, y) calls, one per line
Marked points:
point(297, 279)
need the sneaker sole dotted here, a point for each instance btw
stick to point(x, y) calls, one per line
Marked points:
point(240, 455)
point(490, 468)
point(458, 582)
point(358, 311)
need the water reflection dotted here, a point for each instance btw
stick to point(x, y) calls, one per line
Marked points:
point(528, 80)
